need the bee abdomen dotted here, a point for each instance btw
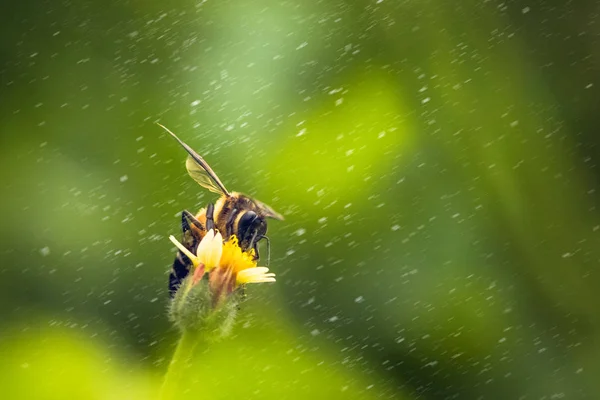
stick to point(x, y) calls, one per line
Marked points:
point(181, 269)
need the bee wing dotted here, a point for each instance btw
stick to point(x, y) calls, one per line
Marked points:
point(268, 211)
point(199, 169)
point(200, 175)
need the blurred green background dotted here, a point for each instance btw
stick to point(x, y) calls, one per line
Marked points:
point(436, 163)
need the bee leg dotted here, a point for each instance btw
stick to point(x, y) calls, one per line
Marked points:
point(229, 224)
point(182, 264)
point(210, 222)
point(189, 239)
point(256, 254)
point(187, 220)
point(254, 245)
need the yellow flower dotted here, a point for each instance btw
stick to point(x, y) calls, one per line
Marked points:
point(227, 265)
point(236, 268)
point(243, 265)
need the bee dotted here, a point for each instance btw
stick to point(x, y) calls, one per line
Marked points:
point(232, 214)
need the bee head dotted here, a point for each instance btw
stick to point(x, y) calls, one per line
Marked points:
point(250, 228)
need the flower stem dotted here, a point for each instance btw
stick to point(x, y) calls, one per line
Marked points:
point(179, 363)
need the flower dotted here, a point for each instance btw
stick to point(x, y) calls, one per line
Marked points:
point(243, 265)
point(236, 268)
point(227, 265)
